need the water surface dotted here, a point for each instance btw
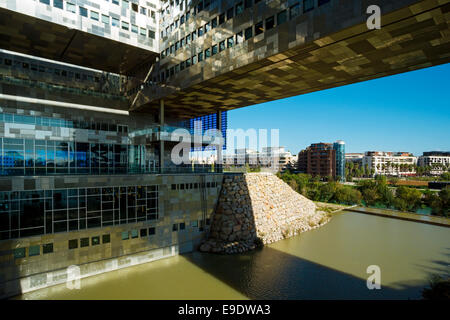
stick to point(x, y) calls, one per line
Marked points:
point(325, 263)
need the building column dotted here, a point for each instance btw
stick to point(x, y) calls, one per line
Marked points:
point(161, 142)
point(219, 127)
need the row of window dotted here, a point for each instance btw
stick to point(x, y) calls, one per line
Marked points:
point(264, 25)
point(105, 19)
point(62, 123)
point(9, 63)
point(227, 15)
point(84, 242)
point(47, 157)
point(31, 213)
point(33, 251)
point(191, 186)
point(194, 224)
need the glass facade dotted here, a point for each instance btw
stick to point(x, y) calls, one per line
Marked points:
point(20, 157)
point(204, 123)
point(30, 213)
point(339, 146)
point(62, 123)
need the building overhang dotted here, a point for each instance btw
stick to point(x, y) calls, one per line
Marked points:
point(416, 35)
point(30, 35)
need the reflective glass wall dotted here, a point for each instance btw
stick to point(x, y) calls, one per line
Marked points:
point(46, 157)
point(29, 213)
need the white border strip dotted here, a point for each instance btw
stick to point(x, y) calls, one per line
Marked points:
point(62, 104)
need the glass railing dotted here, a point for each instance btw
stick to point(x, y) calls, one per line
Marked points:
point(181, 169)
point(164, 129)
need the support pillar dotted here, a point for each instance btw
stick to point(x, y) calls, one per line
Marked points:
point(161, 142)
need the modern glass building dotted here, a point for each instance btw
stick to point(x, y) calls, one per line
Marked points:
point(339, 146)
point(92, 92)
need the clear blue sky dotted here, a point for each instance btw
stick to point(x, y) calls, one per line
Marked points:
point(406, 112)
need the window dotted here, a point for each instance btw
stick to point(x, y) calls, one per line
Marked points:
point(73, 244)
point(105, 19)
point(248, 4)
point(281, 17)
point(83, 12)
point(115, 22)
point(95, 240)
point(194, 36)
point(239, 37)
point(214, 23)
point(175, 227)
point(125, 235)
point(230, 42)
point(182, 226)
point(19, 253)
point(208, 53)
point(230, 13)
point(194, 60)
point(143, 233)
point(188, 63)
point(151, 34)
point(239, 8)
point(94, 15)
point(294, 11)
point(259, 28)
point(214, 49)
point(200, 57)
point(151, 231)
point(125, 25)
point(70, 7)
point(134, 28)
point(222, 46)
point(194, 224)
point(34, 251)
point(134, 233)
point(207, 27)
point(248, 33)
point(308, 5)
point(58, 4)
point(200, 31)
point(106, 238)
point(47, 248)
point(84, 242)
point(143, 11)
point(221, 18)
point(270, 23)
point(134, 7)
point(45, 1)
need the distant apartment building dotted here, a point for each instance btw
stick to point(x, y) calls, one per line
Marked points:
point(390, 163)
point(438, 161)
point(323, 159)
point(354, 157)
point(276, 158)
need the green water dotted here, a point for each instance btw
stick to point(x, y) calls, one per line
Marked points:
point(325, 263)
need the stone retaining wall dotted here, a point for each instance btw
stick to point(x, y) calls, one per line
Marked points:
point(258, 208)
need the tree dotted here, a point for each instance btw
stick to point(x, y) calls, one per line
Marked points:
point(408, 199)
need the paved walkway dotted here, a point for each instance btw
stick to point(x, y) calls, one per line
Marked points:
point(435, 220)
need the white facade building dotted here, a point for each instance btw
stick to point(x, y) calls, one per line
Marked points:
point(390, 163)
point(438, 161)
